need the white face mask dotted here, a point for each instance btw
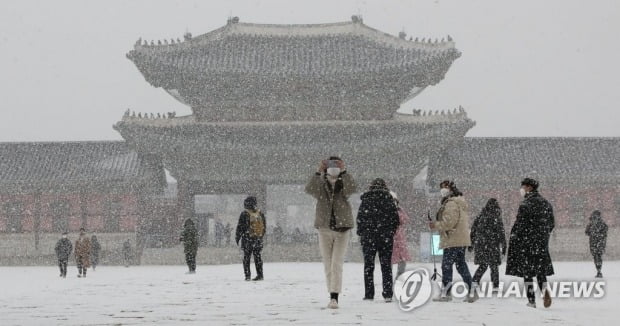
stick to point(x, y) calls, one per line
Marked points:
point(334, 172)
point(444, 192)
point(64, 236)
point(522, 192)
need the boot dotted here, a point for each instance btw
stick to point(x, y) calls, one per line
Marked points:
point(547, 299)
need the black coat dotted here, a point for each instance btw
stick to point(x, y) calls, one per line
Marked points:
point(63, 249)
point(597, 231)
point(189, 236)
point(488, 237)
point(243, 229)
point(528, 249)
point(377, 216)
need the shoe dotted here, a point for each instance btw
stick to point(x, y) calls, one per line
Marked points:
point(547, 299)
point(60, 275)
point(531, 304)
point(472, 297)
point(247, 278)
point(333, 304)
point(258, 278)
point(367, 299)
point(445, 298)
point(599, 275)
point(388, 300)
point(79, 275)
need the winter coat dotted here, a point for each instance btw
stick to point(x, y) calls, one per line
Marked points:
point(377, 217)
point(597, 231)
point(189, 236)
point(453, 223)
point(244, 232)
point(528, 248)
point(488, 238)
point(400, 251)
point(63, 249)
point(82, 251)
point(330, 202)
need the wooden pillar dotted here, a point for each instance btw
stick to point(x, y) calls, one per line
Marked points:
point(37, 219)
point(83, 209)
point(140, 223)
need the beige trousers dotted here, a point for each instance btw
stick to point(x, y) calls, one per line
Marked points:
point(333, 246)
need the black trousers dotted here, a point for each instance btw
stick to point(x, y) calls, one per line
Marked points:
point(598, 260)
point(494, 274)
point(252, 247)
point(371, 246)
point(62, 263)
point(529, 284)
point(190, 260)
point(454, 256)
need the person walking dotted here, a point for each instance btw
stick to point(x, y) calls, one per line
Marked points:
point(400, 253)
point(377, 221)
point(332, 186)
point(82, 253)
point(488, 239)
point(452, 222)
point(528, 247)
point(63, 250)
point(597, 232)
point(95, 249)
point(127, 252)
point(189, 237)
point(250, 231)
point(227, 234)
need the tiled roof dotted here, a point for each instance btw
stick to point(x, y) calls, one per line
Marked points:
point(296, 49)
point(43, 164)
point(508, 160)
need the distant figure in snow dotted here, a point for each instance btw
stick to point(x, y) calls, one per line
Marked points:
point(488, 240)
point(63, 250)
point(400, 252)
point(127, 252)
point(219, 233)
point(82, 253)
point(250, 231)
point(95, 249)
point(227, 233)
point(597, 231)
point(189, 237)
point(528, 248)
point(377, 221)
point(278, 234)
point(331, 186)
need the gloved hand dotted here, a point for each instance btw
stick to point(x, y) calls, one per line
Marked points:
point(470, 248)
point(504, 251)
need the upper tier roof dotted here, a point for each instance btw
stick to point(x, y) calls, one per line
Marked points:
point(304, 49)
point(347, 51)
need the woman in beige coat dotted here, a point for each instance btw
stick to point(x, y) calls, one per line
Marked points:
point(452, 223)
point(331, 186)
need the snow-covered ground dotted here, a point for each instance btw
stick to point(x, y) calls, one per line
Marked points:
point(291, 293)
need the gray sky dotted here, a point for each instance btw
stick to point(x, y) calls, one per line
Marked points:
point(529, 68)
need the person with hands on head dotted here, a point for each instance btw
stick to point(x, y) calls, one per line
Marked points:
point(331, 186)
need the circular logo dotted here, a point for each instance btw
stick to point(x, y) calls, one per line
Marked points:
point(413, 289)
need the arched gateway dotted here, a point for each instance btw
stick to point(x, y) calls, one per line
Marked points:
point(270, 101)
